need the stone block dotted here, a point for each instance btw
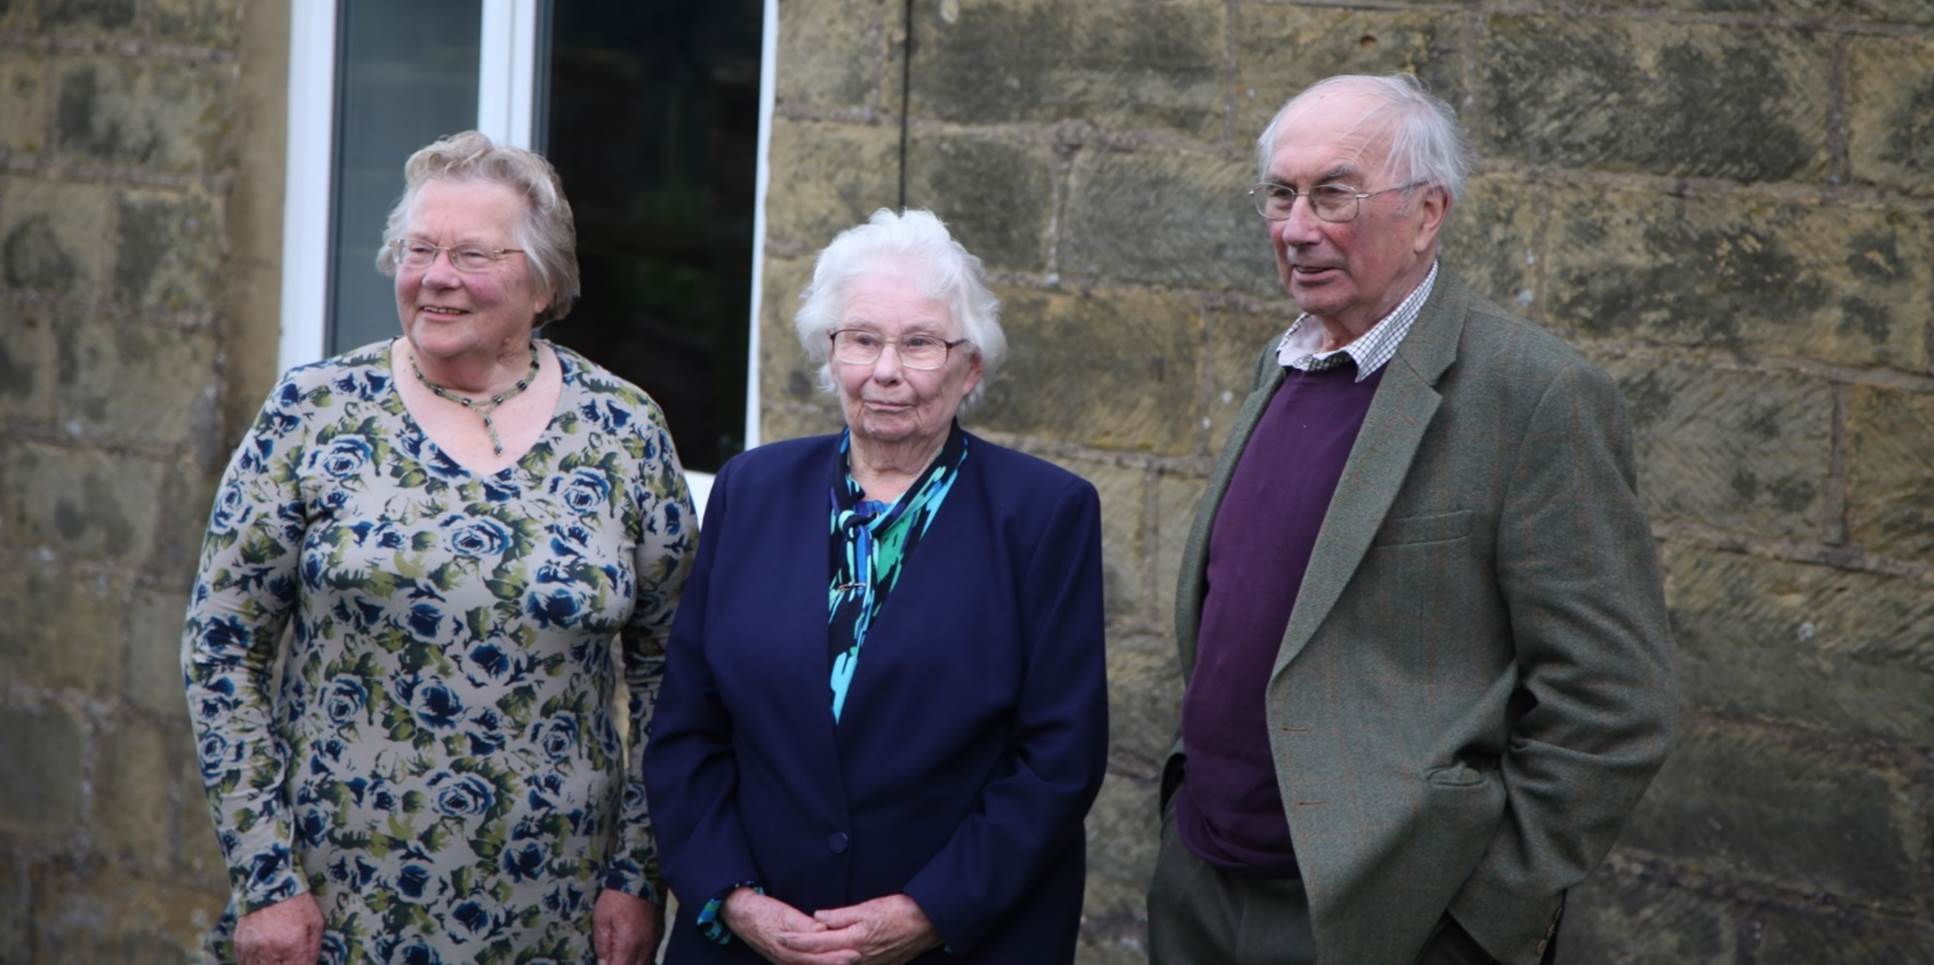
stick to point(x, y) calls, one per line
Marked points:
point(133, 812)
point(1120, 489)
point(45, 748)
point(26, 363)
point(181, 520)
point(1890, 112)
point(1842, 285)
point(198, 855)
point(73, 641)
point(1758, 804)
point(1236, 341)
point(169, 117)
point(1741, 450)
point(1837, 650)
point(827, 178)
point(80, 503)
point(153, 660)
point(1145, 703)
point(210, 23)
point(82, 17)
point(1842, 936)
point(1631, 919)
point(1617, 94)
point(1281, 49)
point(1890, 473)
point(1176, 501)
point(1124, 833)
point(122, 377)
point(835, 55)
point(1119, 64)
point(1166, 218)
point(168, 256)
point(996, 196)
point(1494, 239)
point(24, 85)
point(16, 889)
point(53, 237)
point(1110, 369)
point(96, 913)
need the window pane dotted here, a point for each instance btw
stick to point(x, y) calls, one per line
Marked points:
point(408, 76)
point(653, 117)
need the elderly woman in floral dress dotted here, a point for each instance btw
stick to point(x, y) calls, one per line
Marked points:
point(461, 523)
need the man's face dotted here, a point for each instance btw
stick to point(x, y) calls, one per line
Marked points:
point(1348, 274)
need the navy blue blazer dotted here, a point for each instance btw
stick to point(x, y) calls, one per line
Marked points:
point(972, 742)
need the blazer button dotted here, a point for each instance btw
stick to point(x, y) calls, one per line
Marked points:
point(836, 842)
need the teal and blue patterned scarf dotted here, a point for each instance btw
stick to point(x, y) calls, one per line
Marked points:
point(871, 542)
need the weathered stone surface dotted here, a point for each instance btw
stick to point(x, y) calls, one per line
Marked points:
point(198, 855)
point(1121, 491)
point(82, 504)
point(53, 236)
point(153, 655)
point(997, 197)
point(1842, 651)
point(73, 640)
point(214, 23)
point(1124, 832)
point(1281, 49)
point(119, 375)
point(1145, 703)
point(1176, 501)
point(169, 253)
point(1848, 937)
point(1109, 369)
point(1236, 341)
point(166, 116)
point(45, 750)
point(23, 104)
point(1833, 283)
point(83, 16)
point(1890, 474)
point(26, 364)
point(1494, 239)
point(827, 178)
point(133, 812)
point(1630, 918)
point(181, 503)
point(16, 891)
point(105, 914)
point(1166, 218)
point(834, 54)
point(1741, 450)
point(1113, 63)
point(1773, 806)
point(1618, 94)
point(1890, 122)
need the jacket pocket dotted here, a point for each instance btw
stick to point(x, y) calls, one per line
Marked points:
point(1432, 528)
point(1456, 775)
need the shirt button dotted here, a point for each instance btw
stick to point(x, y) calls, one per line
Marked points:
point(836, 842)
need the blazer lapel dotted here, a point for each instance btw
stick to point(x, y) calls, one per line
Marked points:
point(1392, 429)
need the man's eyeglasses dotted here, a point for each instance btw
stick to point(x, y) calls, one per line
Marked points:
point(411, 253)
point(1331, 202)
point(857, 346)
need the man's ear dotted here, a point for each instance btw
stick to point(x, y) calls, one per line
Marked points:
point(1432, 209)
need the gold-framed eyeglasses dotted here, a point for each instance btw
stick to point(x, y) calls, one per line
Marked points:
point(417, 253)
point(857, 346)
point(1335, 203)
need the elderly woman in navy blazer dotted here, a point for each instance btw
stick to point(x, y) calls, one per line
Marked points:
point(884, 712)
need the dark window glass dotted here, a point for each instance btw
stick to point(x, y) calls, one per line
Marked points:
point(651, 115)
point(407, 75)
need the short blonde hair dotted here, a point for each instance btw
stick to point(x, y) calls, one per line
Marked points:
point(547, 233)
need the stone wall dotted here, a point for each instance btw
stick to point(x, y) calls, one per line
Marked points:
point(1728, 203)
point(140, 193)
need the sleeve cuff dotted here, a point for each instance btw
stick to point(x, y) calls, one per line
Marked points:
point(710, 924)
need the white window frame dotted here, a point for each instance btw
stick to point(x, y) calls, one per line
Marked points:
point(506, 95)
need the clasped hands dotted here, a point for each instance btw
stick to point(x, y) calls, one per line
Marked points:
point(883, 931)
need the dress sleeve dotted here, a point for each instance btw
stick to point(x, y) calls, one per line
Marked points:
point(666, 542)
point(1059, 750)
point(245, 588)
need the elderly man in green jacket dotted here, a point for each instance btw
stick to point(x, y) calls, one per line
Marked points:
point(1428, 660)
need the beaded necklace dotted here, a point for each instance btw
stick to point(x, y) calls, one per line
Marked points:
point(487, 407)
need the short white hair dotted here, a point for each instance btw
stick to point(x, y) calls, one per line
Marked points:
point(886, 241)
point(1425, 144)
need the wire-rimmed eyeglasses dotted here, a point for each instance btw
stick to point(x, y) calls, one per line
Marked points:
point(1335, 203)
point(417, 253)
point(857, 346)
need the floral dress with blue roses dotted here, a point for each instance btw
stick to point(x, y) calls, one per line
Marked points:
point(439, 764)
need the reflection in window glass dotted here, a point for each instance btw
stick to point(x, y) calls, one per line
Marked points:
point(407, 75)
point(652, 114)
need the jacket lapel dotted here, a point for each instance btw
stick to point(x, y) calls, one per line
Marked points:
point(1392, 429)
